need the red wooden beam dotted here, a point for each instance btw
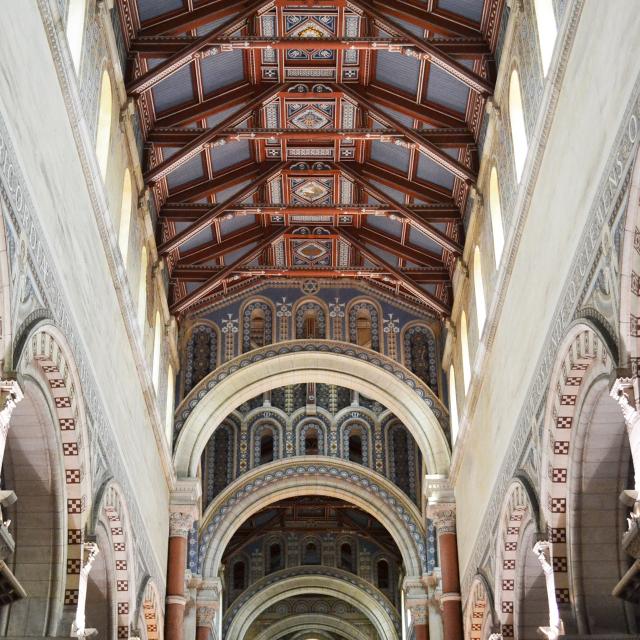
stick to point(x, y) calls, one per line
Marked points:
point(188, 53)
point(208, 136)
point(214, 281)
point(222, 180)
point(437, 236)
point(224, 99)
point(404, 280)
point(217, 210)
point(425, 146)
point(432, 53)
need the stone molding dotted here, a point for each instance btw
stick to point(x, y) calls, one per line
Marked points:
point(179, 600)
point(610, 192)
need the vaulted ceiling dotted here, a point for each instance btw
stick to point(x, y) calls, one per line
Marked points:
point(331, 139)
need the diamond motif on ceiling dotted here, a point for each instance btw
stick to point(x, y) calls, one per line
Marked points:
point(311, 252)
point(310, 119)
point(310, 191)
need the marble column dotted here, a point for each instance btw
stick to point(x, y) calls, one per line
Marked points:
point(208, 607)
point(441, 509)
point(416, 600)
point(179, 526)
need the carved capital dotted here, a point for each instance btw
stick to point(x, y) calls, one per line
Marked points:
point(10, 395)
point(180, 524)
point(205, 616)
point(443, 516)
point(419, 613)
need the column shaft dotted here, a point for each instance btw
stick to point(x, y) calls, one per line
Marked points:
point(451, 606)
point(176, 564)
point(421, 631)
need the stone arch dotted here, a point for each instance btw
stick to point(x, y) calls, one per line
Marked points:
point(324, 476)
point(583, 355)
point(323, 581)
point(100, 612)
point(375, 313)
point(479, 618)
point(516, 514)
point(151, 611)
point(374, 375)
point(429, 374)
point(304, 622)
point(303, 426)
point(113, 513)
point(267, 307)
point(46, 357)
point(311, 304)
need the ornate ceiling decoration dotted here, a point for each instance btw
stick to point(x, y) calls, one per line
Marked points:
point(259, 119)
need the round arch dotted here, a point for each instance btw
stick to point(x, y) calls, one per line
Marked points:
point(369, 373)
point(480, 616)
point(323, 476)
point(323, 581)
point(304, 622)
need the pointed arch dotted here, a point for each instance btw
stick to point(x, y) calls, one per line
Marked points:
point(496, 215)
point(478, 286)
point(547, 31)
point(125, 216)
point(105, 114)
point(464, 348)
point(516, 120)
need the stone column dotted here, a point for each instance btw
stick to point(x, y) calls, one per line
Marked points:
point(10, 395)
point(441, 509)
point(208, 607)
point(416, 600)
point(184, 511)
point(626, 392)
point(179, 526)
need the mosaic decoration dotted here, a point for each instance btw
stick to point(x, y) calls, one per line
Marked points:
point(336, 313)
point(310, 307)
point(312, 252)
point(402, 460)
point(246, 325)
point(310, 54)
point(391, 329)
point(305, 26)
point(309, 152)
point(375, 324)
point(283, 313)
point(301, 435)
point(304, 115)
point(420, 355)
point(202, 355)
point(311, 191)
point(353, 423)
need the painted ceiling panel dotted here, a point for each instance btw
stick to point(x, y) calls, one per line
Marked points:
point(444, 89)
point(191, 170)
point(227, 227)
point(230, 154)
point(432, 172)
point(201, 238)
point(148, 9)
point(388, 257)
point(419, 239)
point(217, 118)
point(384, 223)
point(394, 194)
point(398, 71)
point(221, 70)
point(392, 155)
point(225, 194)
point(471, 9)
point(230, 258)
point(174, 90)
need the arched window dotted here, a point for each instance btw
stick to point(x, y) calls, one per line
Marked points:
point(496, 216)
point(464, 344)
point(363, 329)
point(125, 217)
point(311, 554)
point(481, 307)
point(157, 344)
point(257, 328)
point(346, 557)
point(142, 289)
point(310, 326)
point(75, 30)
point(453, 404)
point(547, 31)
point(275, 558)
point(103, 138)
point(239, 575)
point(171, 384)
point(266, 447)
point(382, 571)
point(516, 119)
point(355, 447)
point(311, 442)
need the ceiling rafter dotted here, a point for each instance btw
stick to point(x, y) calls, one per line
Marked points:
point(217, 210)
point(212, 283)
point(430, 300)
point(190, 52)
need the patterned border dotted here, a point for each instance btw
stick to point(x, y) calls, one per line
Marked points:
point(327, 346)
point(301, 469)
point(307, 571)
